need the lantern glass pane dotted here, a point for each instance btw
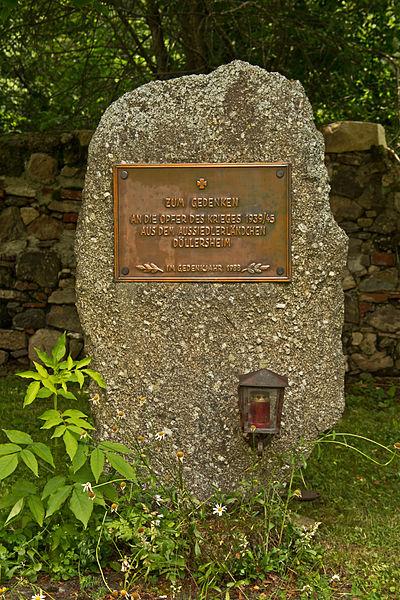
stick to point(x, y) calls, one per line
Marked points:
point(262, 409)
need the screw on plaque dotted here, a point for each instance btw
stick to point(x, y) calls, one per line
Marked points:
point(124, 174)
point(280, 173)
point(280, 270)
point(124, 270)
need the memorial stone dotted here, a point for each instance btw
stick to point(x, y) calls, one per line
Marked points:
point(206, 249)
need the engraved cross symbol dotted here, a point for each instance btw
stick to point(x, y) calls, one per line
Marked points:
point(202, 183)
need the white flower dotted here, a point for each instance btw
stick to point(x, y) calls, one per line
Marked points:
point(126, 565)
point(38, 596)
point(158, 500)
point(95, 400)
point(335, 577)
point(87, 487)
point(219, 510)
point(163, 434)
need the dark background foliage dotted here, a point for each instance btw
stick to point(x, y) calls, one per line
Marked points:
point(63, 61)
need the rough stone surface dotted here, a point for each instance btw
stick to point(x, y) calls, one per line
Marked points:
point(183, 346)
point(39, 266)
point(344, 210)
point(65, 206)
point(349, 136)
point(45, 228)
point(386, 318)
point(64, 317)
point(63, 296)
point(380, 281)
point(28, 214)
point(44, 339)
point(3, 357)
point(11, 226)
point(65, 249)
point(12, 340)
point(33, 318)
point(376, 362)
point(42, 167)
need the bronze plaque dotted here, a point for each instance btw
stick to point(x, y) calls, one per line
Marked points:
point(202, 222)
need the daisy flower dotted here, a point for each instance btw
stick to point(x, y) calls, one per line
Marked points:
point(180, 455)
point(38, 596)
point(87, 487)
point(219, 510)
point(163, 434)
point(126, 565)
point(95, 400)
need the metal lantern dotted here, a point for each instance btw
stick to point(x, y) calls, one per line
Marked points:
point(260, 401)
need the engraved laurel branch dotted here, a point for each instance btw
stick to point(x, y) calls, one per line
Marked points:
point(256, 268)
point(149, 268)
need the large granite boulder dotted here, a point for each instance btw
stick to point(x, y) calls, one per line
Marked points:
point(172, 353)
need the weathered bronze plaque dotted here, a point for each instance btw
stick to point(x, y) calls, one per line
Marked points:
point(202, 222)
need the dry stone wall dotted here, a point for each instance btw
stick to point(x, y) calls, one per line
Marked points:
point(41, 181)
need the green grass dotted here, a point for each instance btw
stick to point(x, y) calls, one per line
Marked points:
point(358, 504)
point(358, 507)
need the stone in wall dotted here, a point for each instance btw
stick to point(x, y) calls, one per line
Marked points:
point(11, 225)
point(352, 136)
point(39, 266)
point(44, 339)
point(42, 167)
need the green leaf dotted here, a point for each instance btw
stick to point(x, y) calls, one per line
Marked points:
point(41, 370)
point(44, 393)
point(52, 485)
point(97, 463)
point(71, 443)
point(29, 375)
point(109, 492)
point(59, 349)
point(49, 414)
point(116, 447)
point(80, 378)
point(20, 489)
point(59, 431)
point(51, 423)
point(67, 395)
point(8, 464)
point(74, 429)
point(31, 392)
point(37, 509)
point(83, 362)
point(30, 461)
point(80, 423)
point(81, 505)
point(45, 358)
point(57, 499)
point(18, 437)
point(120, 465)
point(80, 457)
point(9, 449)
point(50, 386)
point(43, 452)
point(96, 377)
point(16, 509)
point(71, 412)
point(70, 362)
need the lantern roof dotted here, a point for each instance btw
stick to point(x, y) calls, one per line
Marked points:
point(263, 378)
